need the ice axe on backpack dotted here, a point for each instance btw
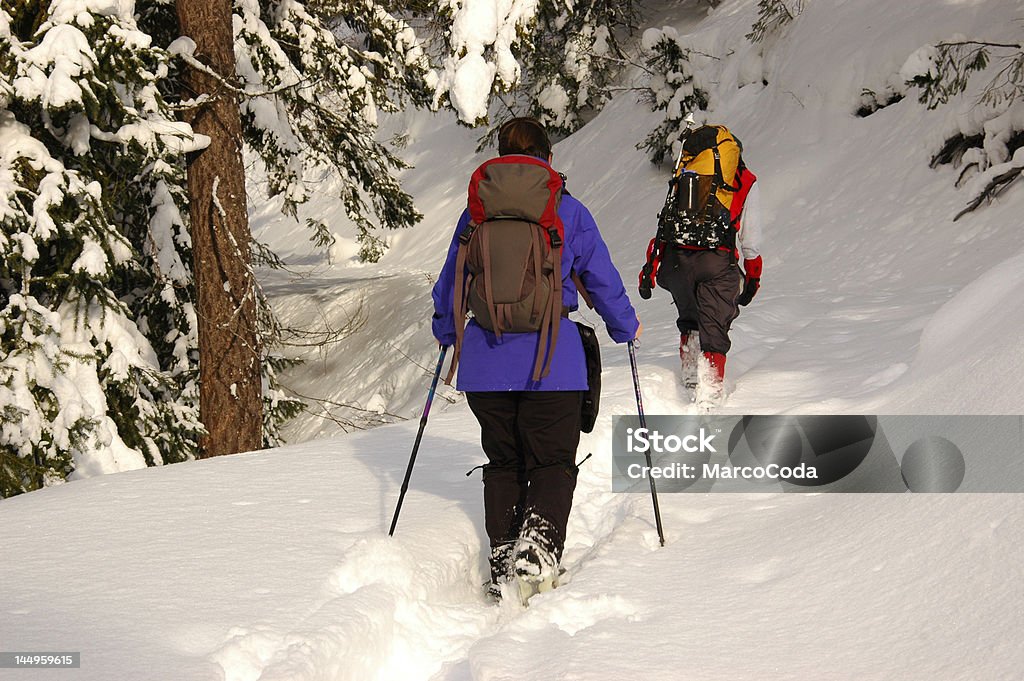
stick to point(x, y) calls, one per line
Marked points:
point(419, 436)
point(649, 272)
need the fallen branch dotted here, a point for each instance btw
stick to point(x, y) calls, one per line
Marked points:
point(992, 189)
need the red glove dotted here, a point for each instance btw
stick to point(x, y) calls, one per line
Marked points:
point(649, 273)
point(752, 280)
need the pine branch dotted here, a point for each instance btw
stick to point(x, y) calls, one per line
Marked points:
point(329, 336)
point(956, 61)
point(979, 43)
point(992, 189)
point(372, 418)
point(228, 85)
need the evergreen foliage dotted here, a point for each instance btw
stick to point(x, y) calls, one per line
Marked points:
point(97, 370)
point(951, 65)
point(772, 15)
point(99, 366)
point(551, 60)
point(576, 56)
point(672, 87)
point(985, 148)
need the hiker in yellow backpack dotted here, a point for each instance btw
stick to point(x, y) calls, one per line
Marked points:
point(696, 251)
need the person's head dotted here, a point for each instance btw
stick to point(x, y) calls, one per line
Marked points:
point(524, 136)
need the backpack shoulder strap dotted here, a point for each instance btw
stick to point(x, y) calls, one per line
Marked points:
point(460, 296)
point(582, 290)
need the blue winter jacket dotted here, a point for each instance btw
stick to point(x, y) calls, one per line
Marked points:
point(490, 364)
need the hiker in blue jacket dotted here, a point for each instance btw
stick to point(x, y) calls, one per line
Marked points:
point(530, 429)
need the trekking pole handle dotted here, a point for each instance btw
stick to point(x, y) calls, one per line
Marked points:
point(679, 159)
point(636, 386)
point(672, 183)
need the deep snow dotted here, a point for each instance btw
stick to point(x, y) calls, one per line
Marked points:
point(275, 565)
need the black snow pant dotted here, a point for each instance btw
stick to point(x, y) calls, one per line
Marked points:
point(530, 438)
point(704, 285)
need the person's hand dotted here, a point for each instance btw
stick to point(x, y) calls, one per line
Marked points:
point(752, 280)
point(639, 329)
point(750, 287)
point(647, 273)
point(644, 286)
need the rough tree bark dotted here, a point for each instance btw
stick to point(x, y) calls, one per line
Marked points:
point(230, 393)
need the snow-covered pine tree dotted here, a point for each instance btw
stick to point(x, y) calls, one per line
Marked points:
point(312, 79)
point(673, 86)
point(548, 59)
point(230, 351)
point(318, 76)
point(99, 359)
point(772, 15)
point(576, 56)
point(984, 144)
point(91, 249)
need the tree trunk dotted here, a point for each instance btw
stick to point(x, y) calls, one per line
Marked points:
point(230, 390)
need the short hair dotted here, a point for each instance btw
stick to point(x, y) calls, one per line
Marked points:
point(523, 135)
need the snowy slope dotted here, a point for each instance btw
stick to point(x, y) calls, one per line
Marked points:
point(866, 275)
point(275, 565)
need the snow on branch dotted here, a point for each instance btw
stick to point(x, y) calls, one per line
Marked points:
point(944, 69)
point(993, 182)
point(986, 143)
point(772, 15)
point(187, 57)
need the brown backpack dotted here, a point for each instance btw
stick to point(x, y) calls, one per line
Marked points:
point(508, 270)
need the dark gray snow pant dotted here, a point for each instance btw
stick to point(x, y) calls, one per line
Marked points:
point(704, 286)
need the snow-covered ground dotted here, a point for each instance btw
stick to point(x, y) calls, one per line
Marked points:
point(276, 565)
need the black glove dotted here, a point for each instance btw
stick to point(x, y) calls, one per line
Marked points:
point(750, 286)
point(649, 270)
point(645, 282)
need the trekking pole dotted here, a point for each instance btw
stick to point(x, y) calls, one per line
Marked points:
point(647, 454)
point(419, 436)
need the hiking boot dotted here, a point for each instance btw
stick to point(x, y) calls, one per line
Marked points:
point(533, 563)
point(535, 568)
point(689, 352)
point(501, 568)
point(537, 551)
point(710, 393)
point(716, 363)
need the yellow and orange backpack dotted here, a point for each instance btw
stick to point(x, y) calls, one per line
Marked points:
point(698, 209)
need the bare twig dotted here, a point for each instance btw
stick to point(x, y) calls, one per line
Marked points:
point(342, 405)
